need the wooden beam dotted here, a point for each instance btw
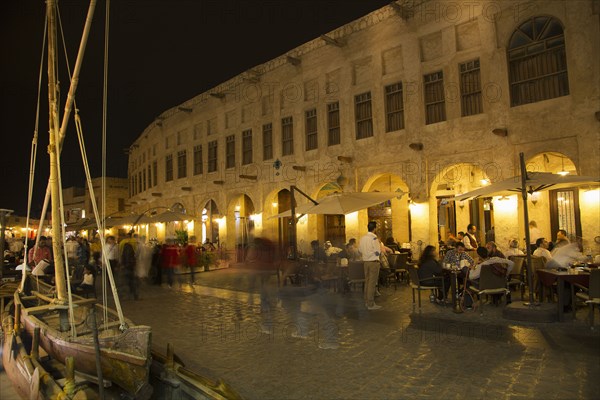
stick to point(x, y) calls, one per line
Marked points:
point(332, 41)
point(294, 61)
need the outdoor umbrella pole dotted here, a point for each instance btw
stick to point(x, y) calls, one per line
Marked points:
point(526, 216)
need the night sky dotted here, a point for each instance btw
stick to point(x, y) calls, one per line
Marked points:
point(161, 53)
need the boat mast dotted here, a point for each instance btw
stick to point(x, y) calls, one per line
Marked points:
point(53, 124)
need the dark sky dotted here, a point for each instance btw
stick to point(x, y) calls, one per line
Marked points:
point(161, 53)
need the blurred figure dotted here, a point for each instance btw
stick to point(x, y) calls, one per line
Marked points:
point(370, 247)
point(128, 264)
point(190, 257)
point(169, 259)
point(430, 268)
point(566, 255)
point(318, 252)
point(534, 234)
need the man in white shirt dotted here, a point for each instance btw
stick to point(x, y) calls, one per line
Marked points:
point(542, 249)
point(370, 248)
point(483, 254)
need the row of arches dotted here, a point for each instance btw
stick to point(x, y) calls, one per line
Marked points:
point(415, 217)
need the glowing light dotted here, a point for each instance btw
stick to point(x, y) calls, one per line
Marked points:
point(274, 204)
point(485, 181)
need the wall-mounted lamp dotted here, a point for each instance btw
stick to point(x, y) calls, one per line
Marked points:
point(416, 146)
point(485, 181)
point(502, 132)
point(535, 196)
point(562, 171)
point(461, 204)
point(344, 159)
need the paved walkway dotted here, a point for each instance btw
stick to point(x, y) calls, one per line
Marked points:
point(221, 328)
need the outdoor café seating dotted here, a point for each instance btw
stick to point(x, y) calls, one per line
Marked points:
point(356, 274)
point(590, 295)
point(517, 275)
point(416, 283)
point(489, 284)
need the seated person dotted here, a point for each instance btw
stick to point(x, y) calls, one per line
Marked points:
point(318, 252)
point(542, 249)
point(331, 250)
point(483, 254)
point(493, 250)
point(457, 257)
point(392, 244)
point(565, 256)
point(429, 268)
point(513, 249)
point(87, 284)
point(351, 251)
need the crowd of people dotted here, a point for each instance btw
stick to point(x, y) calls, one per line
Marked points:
point(131, 260)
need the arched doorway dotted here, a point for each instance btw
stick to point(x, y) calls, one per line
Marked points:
point(209, 225)
point(242, 224)
point(392, 216)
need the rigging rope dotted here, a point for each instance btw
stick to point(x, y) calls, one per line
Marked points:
point(104, 122)
point(32, 158)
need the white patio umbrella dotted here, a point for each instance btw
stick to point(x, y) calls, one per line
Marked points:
point(527, 183)
point(171, 216)
point(343, 203)
point(534, 182)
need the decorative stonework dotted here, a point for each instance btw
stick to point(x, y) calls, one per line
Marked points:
point(361, 71)
point(391, 60)
point(431, 46)
point(467, 35)
point(332, 82)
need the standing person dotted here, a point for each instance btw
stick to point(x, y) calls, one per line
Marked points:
point(112, 252)
point(469, 240)
point(169, 259)
point(190, 257)
point(534, 235)
point(370, 248)
point(128, 263)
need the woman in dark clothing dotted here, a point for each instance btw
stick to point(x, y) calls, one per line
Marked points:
point(429, 268)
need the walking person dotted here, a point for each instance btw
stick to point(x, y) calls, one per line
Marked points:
point(370, 248)
point(128, 263)
point(169, 260)
point(190, 257)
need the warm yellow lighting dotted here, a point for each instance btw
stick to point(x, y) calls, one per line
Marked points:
point(563, 172)
point(274, 204)
point(237, 208)
point(158, 224)
point(485, 181)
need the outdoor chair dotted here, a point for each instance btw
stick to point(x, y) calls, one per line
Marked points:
point(356, 273)
point(402, 267)
point(390, 274)
point(537, 263)
point(591, 295)
point(517, 275)
point(415, 283)
point(489, 284)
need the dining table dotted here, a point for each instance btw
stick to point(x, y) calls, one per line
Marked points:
point(548, 277)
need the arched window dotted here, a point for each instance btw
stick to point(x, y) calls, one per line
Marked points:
point(537, 61)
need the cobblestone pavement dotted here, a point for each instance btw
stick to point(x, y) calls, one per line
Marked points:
point(220, 329)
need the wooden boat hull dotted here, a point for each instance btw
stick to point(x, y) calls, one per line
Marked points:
point(125, 356)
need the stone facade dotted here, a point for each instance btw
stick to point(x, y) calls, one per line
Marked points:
point(410, 46)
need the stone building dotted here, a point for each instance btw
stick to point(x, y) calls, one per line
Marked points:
point(432, 99)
